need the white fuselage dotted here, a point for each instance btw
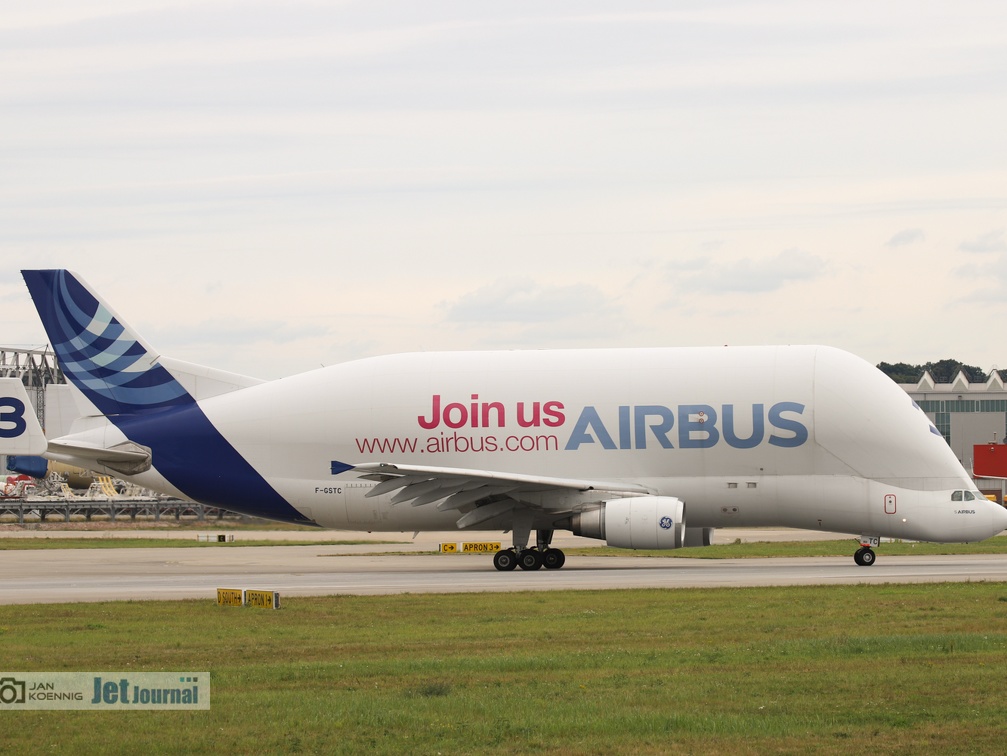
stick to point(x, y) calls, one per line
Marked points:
point(631, 445)
point(808, 437)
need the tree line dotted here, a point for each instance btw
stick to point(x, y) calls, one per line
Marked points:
point(942, 371)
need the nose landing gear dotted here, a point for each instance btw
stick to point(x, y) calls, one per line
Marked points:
point(865, 556)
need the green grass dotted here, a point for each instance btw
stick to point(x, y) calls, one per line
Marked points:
point(892, 669)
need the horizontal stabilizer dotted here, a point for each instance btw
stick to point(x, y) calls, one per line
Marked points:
point(126, 458)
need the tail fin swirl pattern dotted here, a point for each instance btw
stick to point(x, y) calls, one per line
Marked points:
point(99, 353)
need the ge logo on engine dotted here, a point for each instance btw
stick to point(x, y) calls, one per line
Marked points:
point(666, 523)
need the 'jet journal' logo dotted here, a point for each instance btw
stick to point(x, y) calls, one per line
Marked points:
point(104, 690)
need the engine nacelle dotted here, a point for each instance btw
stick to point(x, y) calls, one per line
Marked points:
point(699, 536)
point(643, 522)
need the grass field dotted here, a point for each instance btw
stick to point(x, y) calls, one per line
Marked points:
point(893, 669)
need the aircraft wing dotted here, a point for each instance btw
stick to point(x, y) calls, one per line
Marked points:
point(492, 493)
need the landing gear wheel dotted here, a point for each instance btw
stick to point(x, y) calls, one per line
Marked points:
point(864, 557)
point(529, 559)
point(553, 559)
point(505, 560)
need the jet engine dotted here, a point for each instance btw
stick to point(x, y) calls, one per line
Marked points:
point(643, 522)
point(699, 536)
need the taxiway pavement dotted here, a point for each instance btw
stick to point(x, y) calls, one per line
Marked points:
point(68, 575)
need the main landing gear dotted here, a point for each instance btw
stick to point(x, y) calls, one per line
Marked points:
point(534, 558)
point(865, 556)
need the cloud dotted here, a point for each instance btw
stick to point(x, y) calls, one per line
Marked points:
point(906, 237)
point(750, 275)
point(992, 241)
point(13, 291)
point(523, 301)
point(691, 264)
point(520, 313)
point(989, 273)
point(233, 332)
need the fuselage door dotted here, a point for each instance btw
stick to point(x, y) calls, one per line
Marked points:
point(889, 503)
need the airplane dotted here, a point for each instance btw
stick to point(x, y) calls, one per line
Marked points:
point(648, 448)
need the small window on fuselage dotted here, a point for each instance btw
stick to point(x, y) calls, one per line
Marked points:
point(956, 496)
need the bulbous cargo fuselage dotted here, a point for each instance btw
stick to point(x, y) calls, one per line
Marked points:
point(794, 436)
point(642, 447)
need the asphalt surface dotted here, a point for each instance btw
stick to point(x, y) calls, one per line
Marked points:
point(61, 575)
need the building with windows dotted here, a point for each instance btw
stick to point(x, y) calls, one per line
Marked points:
point(966, 414)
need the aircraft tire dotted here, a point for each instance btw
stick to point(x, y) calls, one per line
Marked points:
point(856, 557)
point(867, 557)
point(553, 559)
point(505, 560)
point(529, 559)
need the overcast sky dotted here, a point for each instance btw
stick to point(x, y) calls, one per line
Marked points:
point(267, 187)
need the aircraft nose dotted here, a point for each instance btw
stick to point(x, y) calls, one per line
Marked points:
point(998, 517)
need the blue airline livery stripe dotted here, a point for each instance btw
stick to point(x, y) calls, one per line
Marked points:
point(190, 453)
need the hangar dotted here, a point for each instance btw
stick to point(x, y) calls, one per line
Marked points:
point(969, 415)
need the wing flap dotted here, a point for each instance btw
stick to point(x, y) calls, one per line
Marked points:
point(460, 499)
point(487, 512)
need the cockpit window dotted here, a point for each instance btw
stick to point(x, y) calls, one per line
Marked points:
point(956, 496)
point(969, 496)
